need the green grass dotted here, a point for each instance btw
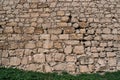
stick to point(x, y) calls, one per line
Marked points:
point(16, 74)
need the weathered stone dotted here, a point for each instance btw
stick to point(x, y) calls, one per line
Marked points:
point(45, 36)
point(64, 19)
point(30, 45)
point(55, 31)
point(29, 30)
point(38, 31)
point(78, 50)
point(8, 30)
point(60, 67)
point(59, 57)
point(76, 36)
point(48, 44)
point(111, 54)
point(69, 30)
point(68, 49)
point(57, 45)
point(62, 24)
point(71, 58)
point(48, 68)
point(5, 61)
point(64, 36)
point(39, 58)
point(84, 69)
point(112, 62)
point(60, 13)
point(15, 61)
point(83, 24)
point(71, 67)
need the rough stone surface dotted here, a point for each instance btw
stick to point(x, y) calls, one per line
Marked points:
point(76, 36)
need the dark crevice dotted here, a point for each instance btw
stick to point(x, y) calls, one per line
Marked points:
point(69, 20)
point(0, 26)
point(77, 28)
point(62, 32)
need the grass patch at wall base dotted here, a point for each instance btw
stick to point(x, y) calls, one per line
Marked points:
point(17, 74)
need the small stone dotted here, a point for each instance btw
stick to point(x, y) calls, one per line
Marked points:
point(64, 36)
point(59, 57)
point(60, 13)
point(30, 45)
point(48, 44)
point(45, 36)
point(29, 30)
point(55, 31)
point(54, 37)
point(71, 58)
point(5, 61)
point(57, 45)
point(64, 19)
point(15, 61)
point(78, 50)
point(106, 31)
point(38, 31)
point(69, 30)
point(111, 54)
point(112, 62)
point(70, 67)
point(84, 69)
point(83, 24)
point(39, 43)
point(48, 68)
point(76, 36)
point(60, 67)
point(8, 30)
point(68, 49)
point(62, 24)
point(39, 58)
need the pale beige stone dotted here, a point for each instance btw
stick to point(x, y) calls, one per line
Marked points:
point(55, 31)
point(84, 69)
point(62, 24)
point(83, 24)
point(112, 61)
point(5, 61)
point(69, 30)
point(68, 49)
point(15, 61)
point(59, 57)
point(32, 67)
point(38, 31)
point(39, 58)
point(76, 36)
point(29, 30)
point(39, 43)
point(72, 42)
point(60, 13)
point(54, 37)
point(70, 67)
point(64, 19)
point(48, 68)
point(8, 30)
point(111, 54)
point(24, 60)
point(45, 36)
point(34, 14)
point(48, 44)
point(71, 58)
point(78, 50)
point(30, 45)
point(64, 36)
point(60, 67)
point(57, 44)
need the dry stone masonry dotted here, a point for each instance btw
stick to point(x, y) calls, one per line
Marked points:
point(76, 36)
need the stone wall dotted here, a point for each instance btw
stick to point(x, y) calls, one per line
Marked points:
point(60, 35)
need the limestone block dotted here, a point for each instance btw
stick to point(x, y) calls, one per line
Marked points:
point(60, 13)
point(64, 36)
point(30, 45)
point(78, 50)
point(60, 67)
point(39, 58)
point(71, 58)
point(84, 69)
point(71, 67)
point(29, 30)
point(8, 30)
point(68, 49)
point(15, 61)
point(59, 57)
point(47, 44)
